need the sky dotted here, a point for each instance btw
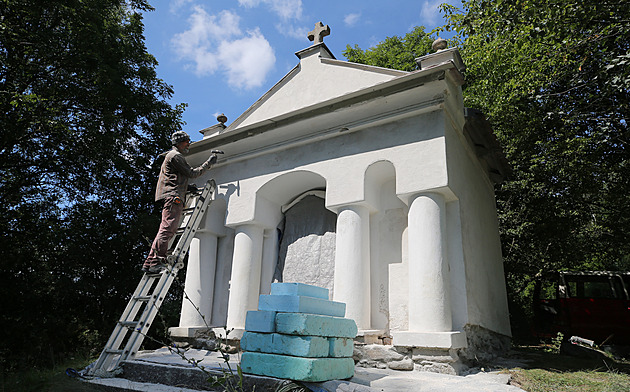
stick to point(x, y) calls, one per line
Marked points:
point(222, 56)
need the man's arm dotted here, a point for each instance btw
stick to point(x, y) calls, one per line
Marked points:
point(182, 167)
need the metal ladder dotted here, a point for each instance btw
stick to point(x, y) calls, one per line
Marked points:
point(145, 302)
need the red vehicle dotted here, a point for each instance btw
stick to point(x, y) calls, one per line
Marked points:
point(591, 305)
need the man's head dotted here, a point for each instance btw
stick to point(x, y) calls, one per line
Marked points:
point(181, 140)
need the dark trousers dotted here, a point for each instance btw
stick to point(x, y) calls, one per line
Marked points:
point(171, 215)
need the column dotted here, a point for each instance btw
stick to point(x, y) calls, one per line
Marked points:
point(245, 279)
point(352, 263)
point(199, 286)
point(429, 296)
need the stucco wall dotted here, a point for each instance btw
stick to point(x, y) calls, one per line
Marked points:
point(486, 293)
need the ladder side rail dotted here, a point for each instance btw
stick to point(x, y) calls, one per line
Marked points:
point(133, 306)
point(120, 332)
point(145, 285)
point(151, 310)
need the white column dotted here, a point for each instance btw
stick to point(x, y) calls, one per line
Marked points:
point(245, 280)
point(429, 296)
point(352, 263)
point(199, 286)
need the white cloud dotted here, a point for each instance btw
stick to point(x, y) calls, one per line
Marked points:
point(215, 43)
point(292, 31)
point(285, 9)
point(429, 13)
point(247, 60)
point(351, 19)
point(176, 5)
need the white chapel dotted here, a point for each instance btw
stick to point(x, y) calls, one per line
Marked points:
point(375, 183)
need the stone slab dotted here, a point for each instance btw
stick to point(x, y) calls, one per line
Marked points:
point(297, 368)
point(188, 332)
point(295, 345)
point(299, 289)
point(315, 325)
point(300, 304)
point(340, 347)
point(260, 321)
point(444, 340)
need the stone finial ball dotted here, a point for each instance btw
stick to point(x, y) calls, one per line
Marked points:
point(439, 44)
point(222, 118)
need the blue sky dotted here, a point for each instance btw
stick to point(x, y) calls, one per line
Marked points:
point(221, 56)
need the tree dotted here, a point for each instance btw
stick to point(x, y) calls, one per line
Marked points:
point(84, 117)
point(553, 78)
point(395, 52)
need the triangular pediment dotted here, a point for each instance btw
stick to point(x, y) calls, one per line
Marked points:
point(317, 78)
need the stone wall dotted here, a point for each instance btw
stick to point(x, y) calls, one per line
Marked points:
point(483, 346)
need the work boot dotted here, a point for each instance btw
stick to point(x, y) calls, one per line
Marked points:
point(155, 269)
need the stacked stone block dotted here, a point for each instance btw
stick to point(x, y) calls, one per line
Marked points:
point(298, 334)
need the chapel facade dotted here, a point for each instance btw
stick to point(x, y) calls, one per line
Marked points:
point(375, 183)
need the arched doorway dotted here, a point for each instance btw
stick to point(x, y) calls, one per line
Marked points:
point(307, 243)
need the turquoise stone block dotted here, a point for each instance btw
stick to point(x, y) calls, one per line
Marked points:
point(316, 325)
point(340, 347)
point(300, 304)
point(297, 368)
point(260, 321)
point(297, 346)
point(302, 289)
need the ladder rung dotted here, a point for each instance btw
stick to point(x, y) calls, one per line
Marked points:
point(142, 298)
point(128, 323)
point(110, 351)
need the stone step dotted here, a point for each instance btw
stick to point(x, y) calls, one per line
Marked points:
point(260, 321)
point(315, 325)
point(297, 346)
point(299, 289)
point(297, 368)
point(149, 376)
point(340, 347)
point(300, 304)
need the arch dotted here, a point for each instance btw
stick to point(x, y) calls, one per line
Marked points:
point(284, 188)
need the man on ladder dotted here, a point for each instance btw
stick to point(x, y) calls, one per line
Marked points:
point(171, 189)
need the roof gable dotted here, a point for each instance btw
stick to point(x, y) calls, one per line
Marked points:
point(317, 78)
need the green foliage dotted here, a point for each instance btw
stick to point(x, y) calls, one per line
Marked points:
point(553, 78)
point(84, 116)
point(556, 343)
point(395, 52)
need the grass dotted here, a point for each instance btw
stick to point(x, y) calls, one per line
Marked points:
point(558, 372)
point(46, 380)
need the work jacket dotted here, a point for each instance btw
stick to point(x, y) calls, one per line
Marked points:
point(174, 175)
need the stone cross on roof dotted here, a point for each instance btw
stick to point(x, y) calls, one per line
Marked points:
point(318, 33)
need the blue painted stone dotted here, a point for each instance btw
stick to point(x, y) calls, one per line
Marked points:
point(297, 368)
point(300, 304)
point(340, 347)
point(305, 290)
point(316, 325)
point(297, 346)
point(260, 321)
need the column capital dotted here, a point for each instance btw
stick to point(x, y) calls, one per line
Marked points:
point(445, 192)
point(356, 205)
